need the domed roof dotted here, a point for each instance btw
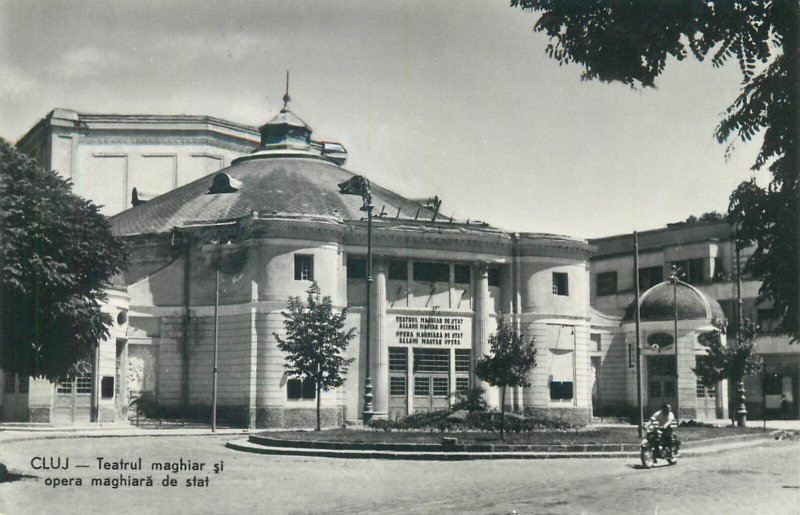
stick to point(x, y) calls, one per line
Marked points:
point(658, 303)
point(270, 182)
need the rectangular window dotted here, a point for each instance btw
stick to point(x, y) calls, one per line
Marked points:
point(494, 276)
point(461, 274)
point(650, 276)
point(397, 386)
point(661, 366)
point(422, 386)
point(398, 359)
point(606, 283)
point(597, 341)
point(398, 270)
point(702, 390)
point(24, 384)
point(432, 272)
point(440, 388)
point(690, 270)
point(560, 390)
point(462, 360)
point(303, 267)
point(10, 382)
point(83, 384)
point(431, 360)
point(301, 389)
point(107, 387)
point(65, 386)
point(462, 384)
point(560, 283)
point(356, 268)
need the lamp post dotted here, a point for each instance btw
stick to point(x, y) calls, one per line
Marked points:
point(359, 185)
point(741, 410)
point(674, 278)
point(638, 332)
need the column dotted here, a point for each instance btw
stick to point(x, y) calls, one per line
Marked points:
point(480, 343)
point(379, 352)
point(410, 382)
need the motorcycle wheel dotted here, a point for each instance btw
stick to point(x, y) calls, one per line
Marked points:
point(647, 458)
point(671, 459)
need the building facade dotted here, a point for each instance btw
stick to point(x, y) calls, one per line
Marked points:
point(263, 207)
point(704, 255)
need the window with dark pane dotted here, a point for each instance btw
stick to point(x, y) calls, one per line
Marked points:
point(422, 386)
point(398, 270)
point(650, 276)
point(494, 276)
point(431, 360)
point(462, 360)
point(606, 283)
point(461, 274)
point(398, 359)
point(440, 387)
point(596, 341)
point(462, 384)
point(356, 268)
point(560, 283)
point(397, 386)
point(431, 272)
point(303, 267)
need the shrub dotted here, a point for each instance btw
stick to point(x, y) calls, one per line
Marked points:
point(471, 400)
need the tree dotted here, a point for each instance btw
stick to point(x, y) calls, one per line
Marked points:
point(513, 356)
point(315, 341)
point(58, 255)
point(630, 42)
point(733, 361)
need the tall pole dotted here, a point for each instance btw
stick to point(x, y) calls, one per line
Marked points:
point(216, 339)
point(367, 415)
point(638, 332)
point(677, 365)
point(741, 410)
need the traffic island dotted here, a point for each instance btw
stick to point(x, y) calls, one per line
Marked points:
point(366, 444)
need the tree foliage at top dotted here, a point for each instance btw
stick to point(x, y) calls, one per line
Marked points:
point(513, 357)
point(630, 41)
point(315, 340)
point(58, 254)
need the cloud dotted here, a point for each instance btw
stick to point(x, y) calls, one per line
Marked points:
point(16, 81)
point(87, 61)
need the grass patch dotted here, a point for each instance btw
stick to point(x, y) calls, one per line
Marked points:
point(604, 435)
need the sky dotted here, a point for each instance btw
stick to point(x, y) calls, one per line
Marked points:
point(455, 99)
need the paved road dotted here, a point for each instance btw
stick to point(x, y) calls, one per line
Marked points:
point(760, 479)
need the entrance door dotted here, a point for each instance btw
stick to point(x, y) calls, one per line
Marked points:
point(73, 402)
point(661, 383)
point(706, 404)
point(431, 379)
point(431, 392)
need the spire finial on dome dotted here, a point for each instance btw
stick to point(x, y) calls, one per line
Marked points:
point(286, 97)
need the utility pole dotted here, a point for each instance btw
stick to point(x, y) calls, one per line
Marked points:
point(638, 332)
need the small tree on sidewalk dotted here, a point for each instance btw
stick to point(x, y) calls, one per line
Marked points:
point(314, 342)
point(513, 357)
point(733, 361)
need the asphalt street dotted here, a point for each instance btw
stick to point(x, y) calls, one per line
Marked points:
point(759, 479)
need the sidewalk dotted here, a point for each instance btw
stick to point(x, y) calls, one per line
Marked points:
point(11, 432)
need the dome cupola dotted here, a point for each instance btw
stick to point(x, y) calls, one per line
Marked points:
point(659, 303)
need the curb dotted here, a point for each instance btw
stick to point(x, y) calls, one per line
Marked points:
point(435, 452)
point(42, 435)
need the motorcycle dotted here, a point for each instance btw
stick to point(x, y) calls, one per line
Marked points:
point(652, 447)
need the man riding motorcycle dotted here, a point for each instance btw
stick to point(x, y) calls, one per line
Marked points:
point(664, 419)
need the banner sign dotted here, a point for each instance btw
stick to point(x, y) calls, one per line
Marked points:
point(430, 331)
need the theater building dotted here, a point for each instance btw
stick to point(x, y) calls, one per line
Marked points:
point(439, 285)
point(264, 207)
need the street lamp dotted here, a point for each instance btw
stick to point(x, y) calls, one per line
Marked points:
point(674, 279)
point(359, 185)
